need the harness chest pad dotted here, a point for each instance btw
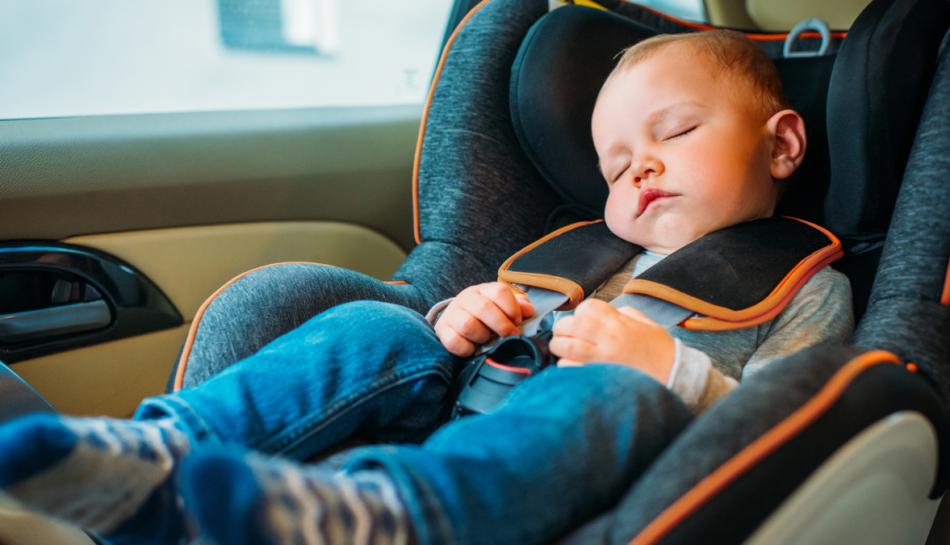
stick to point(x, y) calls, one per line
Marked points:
point(574, 260)
point(736, 277)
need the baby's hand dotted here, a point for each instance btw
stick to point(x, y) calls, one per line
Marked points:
point(599, 332)
point(478, 312)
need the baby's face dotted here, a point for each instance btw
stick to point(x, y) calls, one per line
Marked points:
point(683, 151)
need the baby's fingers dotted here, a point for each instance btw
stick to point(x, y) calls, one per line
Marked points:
point(527, 309)
point(504, 299)
point(468, 326)
point(578, 327)
point(455, 343)
point(571, 349)
point(488, 313)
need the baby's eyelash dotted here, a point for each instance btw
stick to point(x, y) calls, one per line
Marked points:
point(687, 131)
point(619, 174)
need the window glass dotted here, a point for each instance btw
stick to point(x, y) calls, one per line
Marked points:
point(692, 10)
point(92, 57)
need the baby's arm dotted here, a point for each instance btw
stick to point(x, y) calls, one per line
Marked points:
point(820, 313)
point(599, 332)
point(477, 313)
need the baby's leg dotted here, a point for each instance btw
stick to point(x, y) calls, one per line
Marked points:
point(366, 368)
point(370, 369)
point(563, 447)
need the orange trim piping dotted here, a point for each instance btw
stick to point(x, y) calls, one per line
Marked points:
point(721, 318)
point(754, 36)
point(193, 330)
point(945, 296)
point(760, 448)
point(395, 282)
point(425, 117)
point(508, 368)
point(547, 281)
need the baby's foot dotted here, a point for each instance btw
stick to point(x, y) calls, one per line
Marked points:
point(243, 499)
point(97, 473)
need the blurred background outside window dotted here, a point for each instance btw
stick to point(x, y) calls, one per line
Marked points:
point(92, 57)
point(65, 58)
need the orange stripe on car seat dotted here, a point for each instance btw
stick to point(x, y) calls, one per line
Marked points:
point(720, 318)
point(945, 296)
point(425, 117)
point(561, 285)
point(193, 330)
point(761, 447)
point(751, 35)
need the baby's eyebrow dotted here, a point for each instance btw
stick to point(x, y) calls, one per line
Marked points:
point(657, 115)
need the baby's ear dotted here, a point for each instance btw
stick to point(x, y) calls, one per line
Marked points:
point(787, 131)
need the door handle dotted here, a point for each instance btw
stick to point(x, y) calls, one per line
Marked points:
point(52, 322)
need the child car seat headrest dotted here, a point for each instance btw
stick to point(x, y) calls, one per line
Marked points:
point(877, 93)
point(555, 79)
point(878, 84)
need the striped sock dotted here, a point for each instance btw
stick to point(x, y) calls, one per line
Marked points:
point(240, 499)
point(96, 473)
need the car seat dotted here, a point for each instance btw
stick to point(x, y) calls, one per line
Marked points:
point(830, 445)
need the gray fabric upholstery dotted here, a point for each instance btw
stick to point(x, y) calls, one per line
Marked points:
point(474, 180)
point(904, 312)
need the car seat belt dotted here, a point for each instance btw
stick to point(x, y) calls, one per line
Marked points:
point(545, 301)
point(736, 277)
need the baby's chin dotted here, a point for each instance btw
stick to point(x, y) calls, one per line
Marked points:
point(659, 237)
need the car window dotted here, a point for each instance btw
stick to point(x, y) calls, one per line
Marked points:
point(692, 10)
point(94, 57)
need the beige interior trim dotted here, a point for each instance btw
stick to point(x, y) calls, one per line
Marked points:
point(782, 15)
point(21, 528)
point(729, 13)
point(189, 263)
point(105, 379)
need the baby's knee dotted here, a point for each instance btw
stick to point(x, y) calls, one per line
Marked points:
point(377, 311)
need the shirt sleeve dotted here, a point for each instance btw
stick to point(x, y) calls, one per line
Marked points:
point(433, 315)
point(695, 380)
point(820, 313)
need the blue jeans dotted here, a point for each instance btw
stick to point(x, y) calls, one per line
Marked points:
point(563, 446)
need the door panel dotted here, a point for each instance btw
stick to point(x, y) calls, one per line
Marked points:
point(76, 176)
point(189, 264)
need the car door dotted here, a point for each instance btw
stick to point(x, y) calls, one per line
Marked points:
point(151, 151)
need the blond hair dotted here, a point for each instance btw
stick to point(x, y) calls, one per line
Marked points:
point(734, 54)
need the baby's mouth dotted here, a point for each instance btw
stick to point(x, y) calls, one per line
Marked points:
point(650, 194)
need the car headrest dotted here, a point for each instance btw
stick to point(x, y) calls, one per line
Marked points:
point(877, 92)
point(878, 84)
point(555, 79)
point(558, 73)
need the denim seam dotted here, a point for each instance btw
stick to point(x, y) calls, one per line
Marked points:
point(196, 426)
point(310, 426)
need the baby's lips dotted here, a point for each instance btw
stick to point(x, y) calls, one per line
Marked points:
point(649, 195)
